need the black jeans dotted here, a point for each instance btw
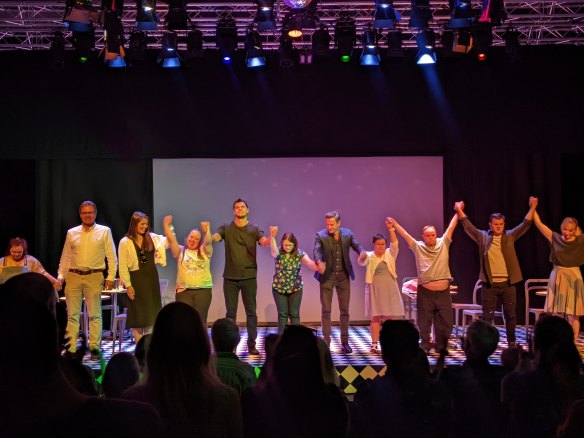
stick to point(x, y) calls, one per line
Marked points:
point(434, 307)
point(248, 289)
point(490, 293)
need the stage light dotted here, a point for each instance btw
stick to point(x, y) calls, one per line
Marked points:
point(169, 56)
point(194, 45)
point(226, 38)
point(493, 11)
point(84, 43)
point(462, 41)
point(253, 45)
point(483, 35)
point(462, 14)
point(394, 44)
point(370, 55)
point(113, 51)
point(78, 15)
point(385, 15)
point(137, 46)
point(511, 37)
point(426, 40)
point(146, 16)
point(345, 36)
point(288, 55)
point(421, 14)
point(300, 18)
point(177, 17)
point(321, 40)
point(265, 18)
point(57, 51)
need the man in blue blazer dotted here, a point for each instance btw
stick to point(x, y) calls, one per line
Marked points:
point(331, 253)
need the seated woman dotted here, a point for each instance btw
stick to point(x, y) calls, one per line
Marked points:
point(193, 275)
point(383, 298)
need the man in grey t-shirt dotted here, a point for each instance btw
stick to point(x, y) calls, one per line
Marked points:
point(433, 301)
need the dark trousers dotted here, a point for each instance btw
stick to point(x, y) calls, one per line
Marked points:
point(341, 283)
point(248, 289)
point(288, 308)
point(434, 307)
point(490, 293)
point(200, 299)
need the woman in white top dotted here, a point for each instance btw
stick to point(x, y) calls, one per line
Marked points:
point(383, 299)
point(193, 275)
point(139, 252)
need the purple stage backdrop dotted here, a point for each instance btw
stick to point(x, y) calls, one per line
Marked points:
point(294, 193)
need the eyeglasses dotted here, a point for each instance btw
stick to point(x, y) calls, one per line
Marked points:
point(142, 255)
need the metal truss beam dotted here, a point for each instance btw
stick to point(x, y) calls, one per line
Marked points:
point(29, 25)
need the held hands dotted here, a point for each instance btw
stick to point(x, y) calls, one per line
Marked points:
point(321, 267)
point(131, 293)
point(459, 206)
point(205, 226)
point(389, 224)
point(109, 284)
point(273, 231)
point(57, 285)
point(167, 220)
point(533, 202)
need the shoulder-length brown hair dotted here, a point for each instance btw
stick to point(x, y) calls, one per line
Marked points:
point(132, 233)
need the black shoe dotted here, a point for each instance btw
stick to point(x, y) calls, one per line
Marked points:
point(253, 351)
point(346, 349)
point(95, 354)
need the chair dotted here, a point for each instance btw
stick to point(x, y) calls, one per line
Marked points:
point(535, 287)
point(108, 299)
point(163, 286)
point(458, 307)
point(118, 329)
point(409, 301)
point(476, 313)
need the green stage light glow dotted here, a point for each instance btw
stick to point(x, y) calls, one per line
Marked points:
point(83, 59)
point(345, 58)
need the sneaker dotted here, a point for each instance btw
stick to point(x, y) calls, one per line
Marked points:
point(346, 349)
point(95, 354)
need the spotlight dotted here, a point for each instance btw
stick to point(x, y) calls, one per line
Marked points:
point(288, 55)
point(265, 18)
point(114, 53)
point(385, 15)
point(57, 51)
point(321, 40)
point(84, 43)
point(421, 14)
point(462, 41)
point(345, 36)
point(511, 37)
point(395, 43)
point(194, 45)
point(370, 55)
point(426, 40)
point(300, 18)
point(168, 56)
point(226, 38)
point(493, 11)
point(137, 46)
point(254, 56)
point(146, 17)
point(177, 16)
point(79, 14)
point(483, 34)
point(462, 14)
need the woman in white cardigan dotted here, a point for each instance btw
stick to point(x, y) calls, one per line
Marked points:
point(382, 295)
point(138, 253)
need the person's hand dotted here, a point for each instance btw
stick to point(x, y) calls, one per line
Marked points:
point(130, 292)
point(321, 267)
point(167, 220)
point(109, 284)
point(459, 206)
point(533, 201)
point(57, 285)
point(273, 231)
point(205, 226)
point(389, 223)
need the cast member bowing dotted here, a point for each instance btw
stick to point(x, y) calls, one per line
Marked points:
point(383, 299)
point(139, 251)
point(193, 274)
point(287, 284)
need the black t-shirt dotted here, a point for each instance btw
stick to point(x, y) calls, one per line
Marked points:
point(240, 250)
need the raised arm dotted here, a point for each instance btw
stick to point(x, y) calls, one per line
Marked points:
point(473, 232)
point(273, 244)
point(401, 231)
point(207, 238)
point(533, 201)
point(170, 236)
point(543, 229)
point(451, 227)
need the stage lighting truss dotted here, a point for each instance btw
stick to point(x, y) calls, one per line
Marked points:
point(29, 25)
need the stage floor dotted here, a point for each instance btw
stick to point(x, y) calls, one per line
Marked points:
point(352, 368)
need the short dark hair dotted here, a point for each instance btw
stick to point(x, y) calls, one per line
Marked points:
point(225, 335)
point(238, 200)
point(86, 203)
point(18, 241)
point(290, 237)
point(332, 215)
point(481, 340)
point(377, 237)
point(496, 216)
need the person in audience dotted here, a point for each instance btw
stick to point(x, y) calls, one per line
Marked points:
point(181, 381)
point(294, 400)
point(329, 372)
point(35, 397)
point(17, 261)
point(536, 402)
point(433, 300)
point(141, 352)
point(82, 267)
point(476, 385)
point(270, 342)
point(382, 294)
point(573, 425)
point(230, 370)
point(565, 293)
point(499, 266)
point(139, 251)
point(122, 372)
point(287, 284)
point(193, 275)
point(406, 401)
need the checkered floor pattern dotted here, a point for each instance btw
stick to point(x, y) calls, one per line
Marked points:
point(352, 368)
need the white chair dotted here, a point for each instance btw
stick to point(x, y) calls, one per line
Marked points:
point(163, 286)
point(459, 307)
point(476, 313)
point(118, 329)
point(536, 287)
point(409, 302)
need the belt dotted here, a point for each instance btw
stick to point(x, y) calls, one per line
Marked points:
point(90, 271)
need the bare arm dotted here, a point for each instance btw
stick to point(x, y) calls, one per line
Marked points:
point(208, 239)
point(264, 241)
point(532, 206)
point(170, 236)
point(216, 237)
point(308, 262)
point(362, 260)
point(451, 227)
point(401, 231)
point(543, 229)
point(273, 244)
